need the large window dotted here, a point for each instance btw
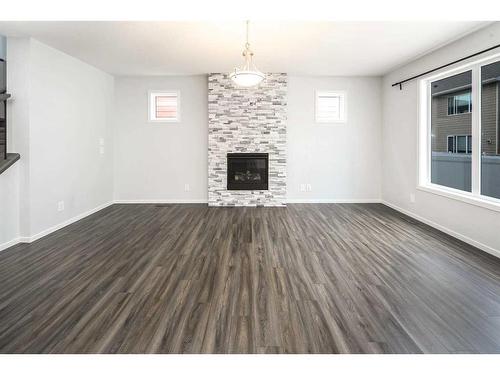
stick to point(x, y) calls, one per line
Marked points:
point(459, 152)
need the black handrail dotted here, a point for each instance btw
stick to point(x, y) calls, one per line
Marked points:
point(400, 83)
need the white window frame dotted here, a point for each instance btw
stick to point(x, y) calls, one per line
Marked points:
point(424, 137)
point(342, 106)
point(152, 106)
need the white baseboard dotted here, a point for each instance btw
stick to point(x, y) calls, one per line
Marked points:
point(10, 243)
point(355, 200)
point(292, 200)
point(159, 201)
point(446, 230)
point(54, 228)
point(65, 223)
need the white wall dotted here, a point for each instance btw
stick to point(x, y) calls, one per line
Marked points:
point(60, 109)
point(341, 162)
point(9, 191)
point(474, 224)
point(9, 206)
point(3, 47)
point(18, 121)
point(14, 202)
point(68, 107)
point(70, 104)
point(154, 161)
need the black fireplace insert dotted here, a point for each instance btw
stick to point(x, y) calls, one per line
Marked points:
point(247, 171)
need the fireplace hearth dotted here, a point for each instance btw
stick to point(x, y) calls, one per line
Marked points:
point(247, 171)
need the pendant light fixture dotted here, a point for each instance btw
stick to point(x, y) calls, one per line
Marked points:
point(248, 75)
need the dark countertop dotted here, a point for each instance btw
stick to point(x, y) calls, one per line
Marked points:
point(6, 163)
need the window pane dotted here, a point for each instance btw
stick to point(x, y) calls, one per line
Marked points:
point(451, 167)
point(461, 144)
point(451, 105)
point(166, 107)
point(463, 103)
point(451, 144)
point(490, 114)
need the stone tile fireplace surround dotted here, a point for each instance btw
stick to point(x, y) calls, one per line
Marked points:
point(246, 121)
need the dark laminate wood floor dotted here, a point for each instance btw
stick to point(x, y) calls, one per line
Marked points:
point(358, 278)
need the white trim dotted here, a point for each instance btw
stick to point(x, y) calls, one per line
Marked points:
point(461, 237)
point(151, 108)
point(56, 227)
point(476, 93)
point(291, 200)
point(10, 243)
point(462, 196)
point(65, 223)
point(46, 232)
point(423, 133)
point(160, 201)
point(342, 106)
point(341, 200)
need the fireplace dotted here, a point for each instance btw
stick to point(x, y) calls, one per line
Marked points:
point(247, 171)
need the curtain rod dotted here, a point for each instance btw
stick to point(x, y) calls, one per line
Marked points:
point(400, 83)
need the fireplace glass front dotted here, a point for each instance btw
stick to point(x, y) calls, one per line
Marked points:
point(246, 171)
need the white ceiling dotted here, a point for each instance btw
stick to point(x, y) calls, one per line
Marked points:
point(315, 48)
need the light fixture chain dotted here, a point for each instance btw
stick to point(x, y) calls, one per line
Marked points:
point(248, 25)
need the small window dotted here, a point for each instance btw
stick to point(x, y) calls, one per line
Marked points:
point(459, 104)
point(164, 106)
point(331, 107)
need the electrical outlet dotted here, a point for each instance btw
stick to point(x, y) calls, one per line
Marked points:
point(60, 206)
point(412, 198)
point(308, 187)
point(101, 150)
point(101, 141)
point(187, 187)
point(302, 187)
